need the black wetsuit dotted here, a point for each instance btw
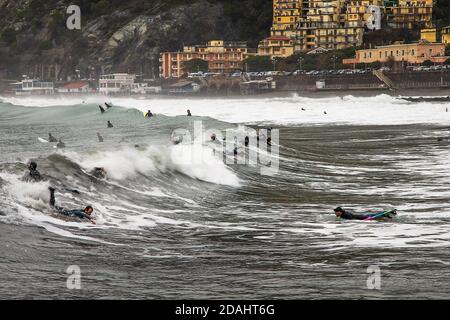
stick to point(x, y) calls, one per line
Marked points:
point(108, 105)
point(33, 175)
point(352, 216)
point(110, 125)
point(101, 109)
point(79, 213)
point(52, 138)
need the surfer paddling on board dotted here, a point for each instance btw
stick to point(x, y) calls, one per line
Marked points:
point(343, 214)
point(84, 214)
point(51, 138)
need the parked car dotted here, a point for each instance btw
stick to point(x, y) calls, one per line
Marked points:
point(196, 75)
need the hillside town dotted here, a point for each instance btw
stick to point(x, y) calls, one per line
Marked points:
point(313, 45)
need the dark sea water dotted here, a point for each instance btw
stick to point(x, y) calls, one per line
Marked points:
point(180, 222)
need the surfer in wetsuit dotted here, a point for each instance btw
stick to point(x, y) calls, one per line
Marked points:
point(33, 175)
point(341, 213)
point(52, 138)
point(108, 105)
point(60, 144)
point(149, 114)
point(189, 113)
point(79, 213)
point(110, 125)
point(101, 109)
point(99, 172)
point(100, 138)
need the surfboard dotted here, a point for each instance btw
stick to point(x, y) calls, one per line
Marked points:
point(385, 214)
point(42, 140)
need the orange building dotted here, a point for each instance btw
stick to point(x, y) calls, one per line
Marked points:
point(222, 57)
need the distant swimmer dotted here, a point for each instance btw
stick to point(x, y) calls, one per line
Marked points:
point(246, 141)
point(60, 144)
point(33, 175)
point(213, 137)
point(149, 114)
point(101, 109)
point(110, 125)
point(100, 138)
point(269, 141)
point(177, 139)
point(189, 113)
point(235, 151)
point(325, 112)
point(99, 172)
point(303, 109)
point(51, 138)
point(79, 213)
point(108, 105)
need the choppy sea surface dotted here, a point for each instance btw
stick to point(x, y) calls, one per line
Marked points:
point(192, 221)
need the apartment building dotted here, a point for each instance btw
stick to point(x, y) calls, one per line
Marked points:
point(411, 14)
point(221, 56)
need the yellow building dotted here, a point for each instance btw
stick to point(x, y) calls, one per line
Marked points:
point(286, 15)
point(366, 13)
point(446, 35)
point(413, 53)
point(276, 47)
point(412, 13)
point(428, 35)
point(326, 24)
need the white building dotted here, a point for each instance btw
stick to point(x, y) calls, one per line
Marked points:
point(373, 21)
point(33, 86)
point(116, 83)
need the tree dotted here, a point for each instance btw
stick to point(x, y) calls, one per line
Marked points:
point(195, 65)
point(390, 62)
point(447, 62)
point(258, 63)
point(9, 36)
point(376, 65)
point(427, 63)
point(447, 50)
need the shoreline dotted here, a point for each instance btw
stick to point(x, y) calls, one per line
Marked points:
point(422, 92)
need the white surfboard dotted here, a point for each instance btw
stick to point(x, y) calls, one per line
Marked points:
point(42, 140)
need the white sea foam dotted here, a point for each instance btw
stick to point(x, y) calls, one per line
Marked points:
point(193, 160)
point(381, 109)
